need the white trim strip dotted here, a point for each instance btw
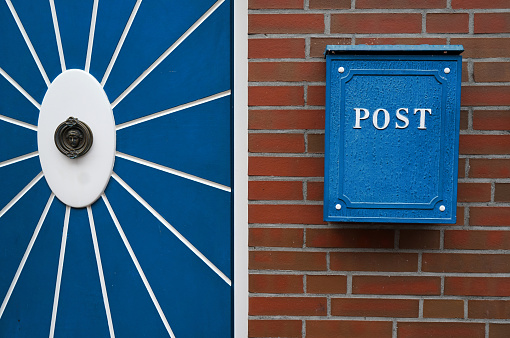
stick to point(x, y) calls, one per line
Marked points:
point(167, 52)
point(59, 272)
point(20, 89)
point(173, 110)
point(172, 229)
point(172, 171)
point(91, 35)
point(25, 256)
point(57, 35)
point(100, 271)
point(28, 42)
point(121, 42)
point(138, 266)
point(18, 159)
point(18, 122)
point(21, 194)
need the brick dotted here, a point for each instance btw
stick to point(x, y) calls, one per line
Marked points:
point(315, 191)
point(492, 22)
point(443, 308)
point(276, 48)
point(286, 119)
point(477, 240)
point(316, 96)
point(483, 47)
point(462, 168)
point(276, 283)
point(396, 285)
point(491, 119)
point(484, 144)
point(401, 41)
point(374, 261)
point(276, 237)
point(489, 309)
point(465, 263)
point(276, 143)
point(419, 239)
point(292, 214)
point(370, 307)
point(464, 119)
point(286, 166)
point(467, 4)
point(318, 45)
point(489, 168)
point(316, 143)
point(465, 72)
point(287, 306)
point(492, 71)
point(326, 284)
point(460, 217)
point(498, 330)
point(287, 260)
point(477, 286)
point(350, 238)
point(287, 71)
point(502, 192)
point(400, 4)
point(389, 23)
point(275, 96)
point(285, 23)
point(492, 216)
point(347, 328)
point(281, 4)
point(274, 328)
point(474, 192)
point(330, 4)
point(448, 23)
point(485, 96)
point(275, 190)
point(440, 330)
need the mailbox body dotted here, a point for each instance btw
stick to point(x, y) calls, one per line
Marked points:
point(392, 133)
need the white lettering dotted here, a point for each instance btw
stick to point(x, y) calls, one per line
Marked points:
point(386, 119)
point(402, 118)
point(359, 118)
point(422, 116)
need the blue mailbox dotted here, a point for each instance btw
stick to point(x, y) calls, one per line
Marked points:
point(392, 133)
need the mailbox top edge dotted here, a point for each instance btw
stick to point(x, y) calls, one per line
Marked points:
point(394, 49)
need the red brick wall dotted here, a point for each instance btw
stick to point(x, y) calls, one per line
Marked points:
point(309, 278)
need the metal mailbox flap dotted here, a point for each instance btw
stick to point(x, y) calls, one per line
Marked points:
point(392, 133)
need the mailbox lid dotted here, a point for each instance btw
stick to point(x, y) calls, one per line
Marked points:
point(395, 49)
point(375, 171)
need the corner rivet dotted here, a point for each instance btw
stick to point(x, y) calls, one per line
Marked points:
point(447, 70)
point(442, 208)
point(338, 207)
point(341, 69)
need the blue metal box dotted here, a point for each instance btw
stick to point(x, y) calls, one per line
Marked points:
point(392, 133)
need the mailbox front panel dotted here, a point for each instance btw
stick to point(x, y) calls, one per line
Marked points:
point(392, 138)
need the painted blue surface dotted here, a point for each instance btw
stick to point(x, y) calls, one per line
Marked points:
point(14, 105)
point(205, 152)
point(26, 140)
point(392, 174)
point(28, 313)
point(15, 177)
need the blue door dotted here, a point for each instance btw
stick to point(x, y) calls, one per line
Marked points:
point(131, 237)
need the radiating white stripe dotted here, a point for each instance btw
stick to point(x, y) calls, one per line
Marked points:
point(21, 194)
point(20, 89)
point(18, 122)
point(167, 52)
point(57, 35)
point(121, 42)
point(173, 171)
point(138, 266)
point(25, 256)
point(28, 42)
point(59, 272)
point(100, 271)
point(91, 35)
point(172, 229)
point(18, 159)
point(173, 110)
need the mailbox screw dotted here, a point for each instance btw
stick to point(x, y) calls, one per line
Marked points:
point(341, 69)
point(442, 208)
point(447, 70)
point(338, 207)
